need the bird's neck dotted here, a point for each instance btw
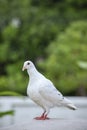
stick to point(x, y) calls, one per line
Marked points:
point(33, 73)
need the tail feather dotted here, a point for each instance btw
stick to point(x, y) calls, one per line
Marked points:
point(67, 103)
point(71, 106)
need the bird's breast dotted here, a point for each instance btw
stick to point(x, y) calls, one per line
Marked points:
point(33, 92)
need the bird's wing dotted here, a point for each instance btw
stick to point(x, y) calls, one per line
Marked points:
point(50, 93)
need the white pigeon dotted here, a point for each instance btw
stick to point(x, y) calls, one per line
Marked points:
point(43, 92)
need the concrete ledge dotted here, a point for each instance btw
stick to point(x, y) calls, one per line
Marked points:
point(52, 124)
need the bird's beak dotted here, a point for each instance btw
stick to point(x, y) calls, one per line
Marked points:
point(23, 68)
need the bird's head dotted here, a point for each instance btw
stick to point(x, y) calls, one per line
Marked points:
point(27, 65)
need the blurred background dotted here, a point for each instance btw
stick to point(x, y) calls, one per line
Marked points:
point(51, 33)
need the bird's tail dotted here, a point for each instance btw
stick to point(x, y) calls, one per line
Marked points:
point(69, 104)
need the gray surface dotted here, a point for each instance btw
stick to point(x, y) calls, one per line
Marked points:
point(52, 124)
point(25, 110)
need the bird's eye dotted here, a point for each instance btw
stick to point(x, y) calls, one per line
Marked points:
point(28, 63)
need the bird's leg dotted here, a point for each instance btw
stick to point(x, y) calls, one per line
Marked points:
point(43, 114)
point(42, 117)
point(45, 117)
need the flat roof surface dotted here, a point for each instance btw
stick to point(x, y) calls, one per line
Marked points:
point(52, 124)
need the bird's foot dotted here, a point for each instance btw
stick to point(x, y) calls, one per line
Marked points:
point(42, 118)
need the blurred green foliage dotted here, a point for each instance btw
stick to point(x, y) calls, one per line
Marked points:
point(53, 34)
point(65, 57)
point(10, 112)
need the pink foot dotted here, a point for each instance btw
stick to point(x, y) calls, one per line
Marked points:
point(42, 118)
